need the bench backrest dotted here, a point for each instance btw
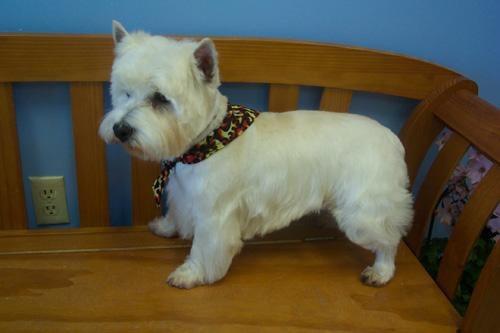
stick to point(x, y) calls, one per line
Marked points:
point(85, 62)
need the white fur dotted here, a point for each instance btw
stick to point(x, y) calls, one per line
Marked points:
point(284, 166)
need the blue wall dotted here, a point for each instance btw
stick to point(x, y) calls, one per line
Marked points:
point(462, 35)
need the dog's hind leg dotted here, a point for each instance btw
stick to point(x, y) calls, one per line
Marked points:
point(376, 234)
point(213, 249)
point(383, 268)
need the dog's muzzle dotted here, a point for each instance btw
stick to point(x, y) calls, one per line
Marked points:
point(123, 131)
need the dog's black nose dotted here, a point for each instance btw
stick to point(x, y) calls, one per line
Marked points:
point(122, 131)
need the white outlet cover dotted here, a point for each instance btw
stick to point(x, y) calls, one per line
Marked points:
point(49, 199)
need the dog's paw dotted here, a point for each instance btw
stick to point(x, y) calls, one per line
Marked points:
point(185, 276)
point(376, 277)
point(161, 227)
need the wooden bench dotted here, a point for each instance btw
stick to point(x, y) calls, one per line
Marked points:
point(304, 278)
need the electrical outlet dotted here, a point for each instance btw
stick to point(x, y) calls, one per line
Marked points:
point(49, 200)
point(50, 210)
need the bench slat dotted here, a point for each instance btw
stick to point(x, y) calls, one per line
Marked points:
point(482, 312)
point(337, 100)
point(432, 188)
point(143, 205)
point(421, 129)
point(12, 205)
point(468, 228)
point(87, 105)
point(283, 97)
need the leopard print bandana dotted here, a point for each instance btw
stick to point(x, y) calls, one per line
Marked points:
point(236, 121)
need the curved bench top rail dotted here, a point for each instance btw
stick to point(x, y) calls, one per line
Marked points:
point(53, 57)
point(475, 119)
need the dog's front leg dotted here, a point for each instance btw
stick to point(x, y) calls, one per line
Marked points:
point(213, 249)
point(162, 226)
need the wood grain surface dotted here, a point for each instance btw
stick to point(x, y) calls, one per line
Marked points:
point(12, 205)
point(298, 287)
point(336, 100)
point(422, 128)
point(471, 222)
point(283, 97)
point(432, 188)
point(143, 205)
point(482, 312)
point(475, 119)
point(313, 226)
point(87, 106)
point(29, 57)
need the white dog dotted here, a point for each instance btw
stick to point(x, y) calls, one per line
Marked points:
point(285, 165)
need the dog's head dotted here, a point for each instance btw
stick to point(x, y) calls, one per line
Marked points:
point(163, 93)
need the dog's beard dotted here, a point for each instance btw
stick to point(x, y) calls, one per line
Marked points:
point(152, 147)
point(136, 149)
point(133, 150)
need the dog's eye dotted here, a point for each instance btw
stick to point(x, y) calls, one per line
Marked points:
point(127, 94)
point(159, 99)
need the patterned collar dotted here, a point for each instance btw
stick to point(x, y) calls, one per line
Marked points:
point(236, 121)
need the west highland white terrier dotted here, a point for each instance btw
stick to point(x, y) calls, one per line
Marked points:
point(275, 169)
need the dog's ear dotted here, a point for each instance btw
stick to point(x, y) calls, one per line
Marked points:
point(119, 32)
point(205, 56)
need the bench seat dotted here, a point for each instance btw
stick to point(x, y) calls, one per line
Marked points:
point(113, 279)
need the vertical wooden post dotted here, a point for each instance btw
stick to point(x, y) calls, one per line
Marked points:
point(143, 206)
point(12, 204)
point(87, 105)
point(337, 100)
point(283, 97)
